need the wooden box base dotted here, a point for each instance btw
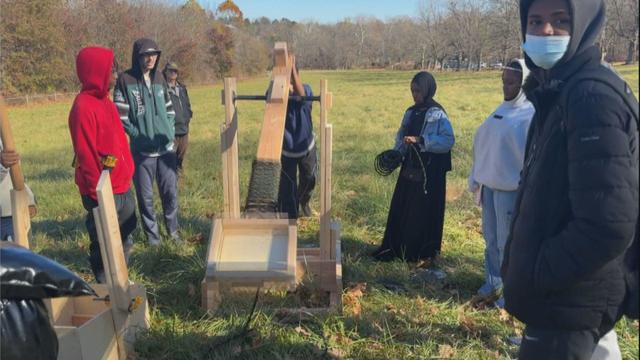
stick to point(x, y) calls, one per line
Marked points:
point(87, 328)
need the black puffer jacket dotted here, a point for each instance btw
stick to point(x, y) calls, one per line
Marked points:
point(577, 203)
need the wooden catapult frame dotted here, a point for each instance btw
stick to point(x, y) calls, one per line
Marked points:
point(272, 243)
point(103, 328)
point(88, 328)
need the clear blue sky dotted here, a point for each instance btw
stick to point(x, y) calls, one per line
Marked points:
point(325, 11)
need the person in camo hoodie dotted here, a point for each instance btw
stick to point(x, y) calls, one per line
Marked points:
point(146, 111)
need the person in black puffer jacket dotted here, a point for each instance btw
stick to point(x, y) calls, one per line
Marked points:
point(577, 202)
point(182, 106)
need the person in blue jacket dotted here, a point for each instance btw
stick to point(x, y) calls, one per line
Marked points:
point(416, 215)
point(299, 159)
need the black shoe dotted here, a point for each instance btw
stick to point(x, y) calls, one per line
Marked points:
point(306, 210)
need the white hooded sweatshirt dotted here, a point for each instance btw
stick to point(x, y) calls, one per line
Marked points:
point(499, 144)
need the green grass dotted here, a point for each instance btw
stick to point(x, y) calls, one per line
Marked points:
point(416, 323)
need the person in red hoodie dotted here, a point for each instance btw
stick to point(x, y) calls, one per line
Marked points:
point(99, 143)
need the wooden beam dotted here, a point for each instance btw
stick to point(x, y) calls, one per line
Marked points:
point(229, 150)
point(111, 243)
point(325, 174)
point(19, 196)
point(272, 132)
point(335, 299)
point(7, 142)
point(20, 216)
point(280, 54)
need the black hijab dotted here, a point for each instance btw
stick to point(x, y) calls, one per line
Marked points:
point(427, 85)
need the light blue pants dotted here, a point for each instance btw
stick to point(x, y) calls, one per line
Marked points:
point(497, 209)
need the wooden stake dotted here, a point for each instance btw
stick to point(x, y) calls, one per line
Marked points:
point(325, 174)
point(111, 243)
point(229, 150)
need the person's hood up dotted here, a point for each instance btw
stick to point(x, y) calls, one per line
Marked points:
point(521, 98)
point(93, 66)
point(140, 47)
point(587, 22)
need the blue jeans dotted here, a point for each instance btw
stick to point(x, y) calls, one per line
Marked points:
point(497, 209)
point(162, 170)
point(6, 228)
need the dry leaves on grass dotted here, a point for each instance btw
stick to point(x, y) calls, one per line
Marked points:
point(467, 323)
point(196, 239)
point(341, 339)
point(350, 194)
point(336, 354)
point(352, 296)
point(302, 331)
point(446, 351)
point(392, 309)
point(511, 322)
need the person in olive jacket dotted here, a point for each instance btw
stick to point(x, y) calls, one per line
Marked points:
point(182, 106)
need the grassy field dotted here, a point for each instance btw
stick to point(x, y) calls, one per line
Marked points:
point(409, 320)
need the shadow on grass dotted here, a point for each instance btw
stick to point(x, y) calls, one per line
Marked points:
point(58, 230)
point(167, 343)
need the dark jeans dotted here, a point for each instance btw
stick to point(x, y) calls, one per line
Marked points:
point(6, 228)
point(553, 344)
point(126, 209)
point(163, 170)
point(292, 192)
point(182, 143)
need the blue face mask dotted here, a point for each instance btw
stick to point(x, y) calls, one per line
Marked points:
point(546, 51)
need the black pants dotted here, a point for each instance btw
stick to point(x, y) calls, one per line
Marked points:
point(182, 143)
point(292, 192)
point(552, 344)
point(125, 206)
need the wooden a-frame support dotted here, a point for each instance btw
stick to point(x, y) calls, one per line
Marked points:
point(88, 329)
point(322, 265)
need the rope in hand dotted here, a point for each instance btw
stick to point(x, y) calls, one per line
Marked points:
point(424, 170)
point(387, 161)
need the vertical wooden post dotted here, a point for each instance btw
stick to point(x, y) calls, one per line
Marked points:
point(229, 150)
point(110, 241)
point(19, 195)
point(20, 217)
point(325, 173)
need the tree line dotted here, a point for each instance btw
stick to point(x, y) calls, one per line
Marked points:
point(40, 38)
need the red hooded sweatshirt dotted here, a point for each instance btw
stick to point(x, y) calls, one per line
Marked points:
point(96, 129)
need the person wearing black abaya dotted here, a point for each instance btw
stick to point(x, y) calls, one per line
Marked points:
point(416, 214)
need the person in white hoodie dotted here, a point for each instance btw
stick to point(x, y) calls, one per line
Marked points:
point(498, 156)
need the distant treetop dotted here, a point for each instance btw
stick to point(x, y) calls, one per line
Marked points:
point(228, 9)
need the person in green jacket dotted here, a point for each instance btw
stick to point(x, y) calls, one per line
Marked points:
point(148, 117)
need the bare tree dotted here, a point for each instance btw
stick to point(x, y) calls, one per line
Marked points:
point(434, 45)
point(623, 17)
